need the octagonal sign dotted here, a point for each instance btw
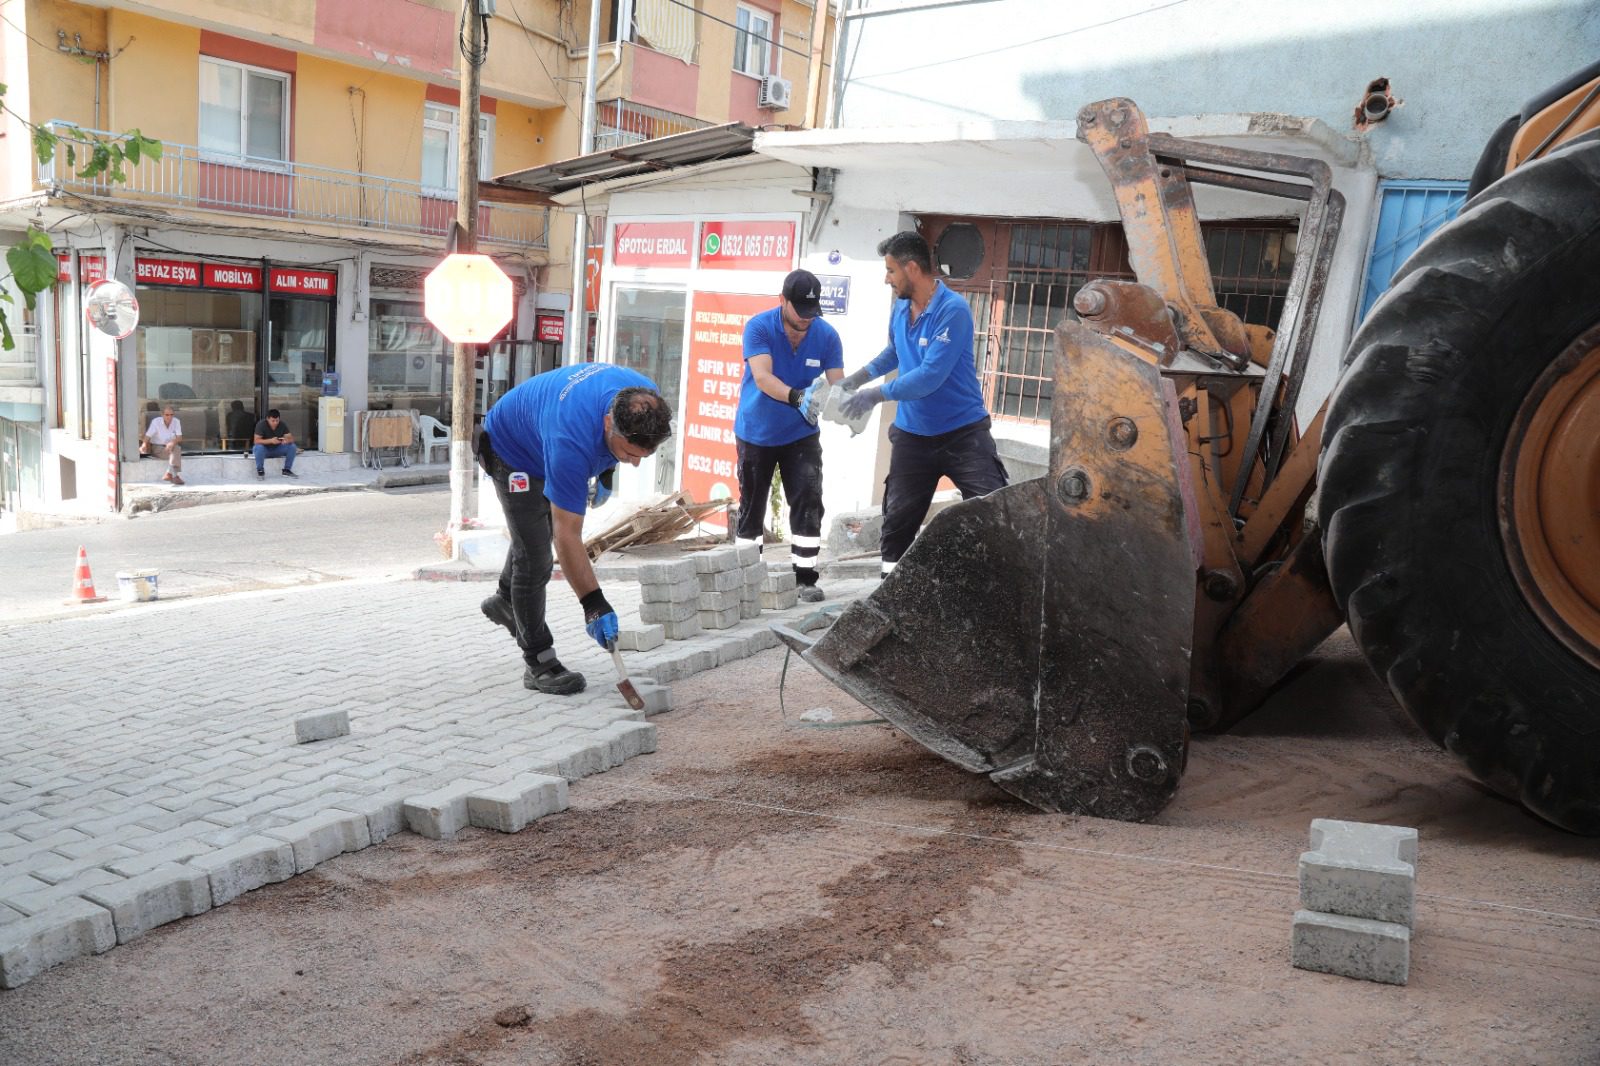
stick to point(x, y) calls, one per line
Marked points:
point(468, 298)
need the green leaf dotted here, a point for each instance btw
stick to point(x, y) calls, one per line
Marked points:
point(6, 340)
point(72, 157)
point(38, 238)
point(44, 144)
point(150, 148)
point(131, 150)
point(32, 268)
point(98, 161)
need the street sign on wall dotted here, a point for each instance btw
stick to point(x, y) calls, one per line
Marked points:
point(835, 296)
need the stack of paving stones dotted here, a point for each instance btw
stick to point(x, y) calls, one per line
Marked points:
point(721, 577)
point(755, 572)
point(779, 590)
point(670, 595)
point(1358, 899)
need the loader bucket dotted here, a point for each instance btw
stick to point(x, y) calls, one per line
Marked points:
point(1041, 634)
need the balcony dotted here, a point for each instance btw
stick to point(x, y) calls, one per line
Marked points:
point(187, 178)
point(622, 122)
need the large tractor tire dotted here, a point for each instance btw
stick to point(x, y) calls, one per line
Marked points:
point(1460, 487)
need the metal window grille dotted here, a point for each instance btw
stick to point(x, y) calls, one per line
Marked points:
point(1408, 212)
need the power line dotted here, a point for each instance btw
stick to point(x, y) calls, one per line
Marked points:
point(532, 40)
point(735, 25)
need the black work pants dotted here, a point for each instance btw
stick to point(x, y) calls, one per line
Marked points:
point(800, 465)
point(531, 560)
point(966, 456)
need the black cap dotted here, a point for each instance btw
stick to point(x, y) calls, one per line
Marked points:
point(802, 289)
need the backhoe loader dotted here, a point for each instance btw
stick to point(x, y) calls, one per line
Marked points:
point(1191, 543)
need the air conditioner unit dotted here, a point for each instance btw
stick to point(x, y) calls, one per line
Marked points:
point(774, 93)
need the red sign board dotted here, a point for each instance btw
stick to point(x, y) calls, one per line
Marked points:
point(711, 393)
point(551, 328)
point(166, 272)
point(304, 282)
point(664, 244)
point(231, 276)
point(747, 246)
point(93, 268)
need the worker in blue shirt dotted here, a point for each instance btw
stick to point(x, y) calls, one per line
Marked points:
point(541, 443)
point(787, 351)
point(942, 426)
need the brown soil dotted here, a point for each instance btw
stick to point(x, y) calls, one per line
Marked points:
point(761, 892)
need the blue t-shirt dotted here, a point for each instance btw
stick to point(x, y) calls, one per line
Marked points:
point(773, 423)
point(938, 388)
point(552, 427)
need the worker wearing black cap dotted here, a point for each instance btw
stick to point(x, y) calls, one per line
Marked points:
point(787, 350)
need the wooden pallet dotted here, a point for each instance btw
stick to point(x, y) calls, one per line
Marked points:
point(667, 519)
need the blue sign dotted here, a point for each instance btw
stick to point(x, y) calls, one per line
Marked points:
point(835, 294)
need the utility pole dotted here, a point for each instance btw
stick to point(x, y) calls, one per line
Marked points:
point(463, 471)
point(577, 333)
point(819, 30)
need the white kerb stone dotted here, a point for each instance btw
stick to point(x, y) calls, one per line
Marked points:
point(164, 894)
point(509, 807)
point(322, 836)
point(247, 865)
point(1352, 947)
point(71, 929)
point(441, 814)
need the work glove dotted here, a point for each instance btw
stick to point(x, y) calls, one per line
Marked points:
point(856, 380)
point(859, 403)
point(603, 487)
point(807, 402)
point(599, 619)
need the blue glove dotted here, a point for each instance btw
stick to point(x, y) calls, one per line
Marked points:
point(856, 380)
point(599, 619)
point(859, 403)
point(602, 491)
point(809, 404)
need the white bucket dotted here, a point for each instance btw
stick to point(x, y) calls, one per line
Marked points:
point(138, 586)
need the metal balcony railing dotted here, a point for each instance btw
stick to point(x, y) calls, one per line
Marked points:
point(187, 177)
point(622, 122)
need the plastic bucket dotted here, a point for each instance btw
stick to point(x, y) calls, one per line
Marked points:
point(138, 586)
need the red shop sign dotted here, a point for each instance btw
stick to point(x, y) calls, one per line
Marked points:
point(305, 282)
point(747, 246)
point(552, 328)
point(232, 276)
point(640, 244)
point(166, 272)
point(63, 267)
point(93, 268)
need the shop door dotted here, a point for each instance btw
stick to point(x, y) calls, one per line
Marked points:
point(647, 335)
point(298, 352)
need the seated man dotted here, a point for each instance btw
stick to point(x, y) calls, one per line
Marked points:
point(238, 426)
point(164, 439)
point(273, 441)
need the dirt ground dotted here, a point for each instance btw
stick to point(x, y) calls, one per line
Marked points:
point(762, 892)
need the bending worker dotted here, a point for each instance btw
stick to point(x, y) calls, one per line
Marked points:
point(541, 443)
point(942, 426)
point(786, 350)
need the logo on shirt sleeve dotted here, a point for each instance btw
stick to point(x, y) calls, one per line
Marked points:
point(943, 336)
point(517, 481)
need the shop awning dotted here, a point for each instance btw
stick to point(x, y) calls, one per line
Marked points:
point(663, 153)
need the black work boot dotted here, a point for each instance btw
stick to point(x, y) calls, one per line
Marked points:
point(549, 676)
point(811, 594)
point(497, 609)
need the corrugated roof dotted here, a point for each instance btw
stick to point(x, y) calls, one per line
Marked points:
point(662, 153)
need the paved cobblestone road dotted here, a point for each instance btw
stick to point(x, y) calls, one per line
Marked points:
point(134, 741)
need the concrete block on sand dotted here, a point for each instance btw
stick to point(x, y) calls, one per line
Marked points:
point(164, 894)
point(72, 928)
point(509, 807)
point(1360, 870)
point(322, 836)
point(239, 868)
point(323, 726)
point(644, 638)
point(441, 814)
point(657, 698)
point(1352, 947)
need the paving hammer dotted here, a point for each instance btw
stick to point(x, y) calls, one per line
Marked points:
point(624, 686)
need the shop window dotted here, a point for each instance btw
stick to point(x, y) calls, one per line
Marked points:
point(196, 352)
point(752, 42)
point(648, 336)
point(408, 361)
point(244, 112)
point(441, 148)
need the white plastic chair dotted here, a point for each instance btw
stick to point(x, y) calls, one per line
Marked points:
point(434, 434)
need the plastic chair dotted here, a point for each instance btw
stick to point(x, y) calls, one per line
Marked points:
point(434, 434)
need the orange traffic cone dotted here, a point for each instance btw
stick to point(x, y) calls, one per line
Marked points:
point(83, 582)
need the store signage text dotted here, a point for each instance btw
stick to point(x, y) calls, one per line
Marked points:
point(166, 272)
point(307, 282)
point(230, 276)
point(835, 296)
point(243, 276)
point(747, 246)
point(711, 392)
point(551, 328)
point(653, 244)
point(93, 268)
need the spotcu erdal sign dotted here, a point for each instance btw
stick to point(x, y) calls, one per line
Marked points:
point(660, 244)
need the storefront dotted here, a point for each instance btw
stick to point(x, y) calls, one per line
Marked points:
point(224, 341)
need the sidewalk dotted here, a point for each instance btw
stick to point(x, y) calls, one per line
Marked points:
point(149, 768)
point(152, 494)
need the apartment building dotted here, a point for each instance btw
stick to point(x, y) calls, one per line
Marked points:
point(306, 186)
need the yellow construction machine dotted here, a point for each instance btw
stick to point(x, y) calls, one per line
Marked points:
point(1191, 543)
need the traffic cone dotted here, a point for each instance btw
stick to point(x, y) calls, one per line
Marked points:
point(83, 582)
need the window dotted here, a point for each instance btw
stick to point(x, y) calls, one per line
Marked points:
point(439, 147)
point(244, 112)
point(1408, 211)
point(752, 42)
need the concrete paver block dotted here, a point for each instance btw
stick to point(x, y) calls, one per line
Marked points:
point(323, 726)
point(510, 806)
point(748, 554)
point(1352, 947)
point(721, 601)
point(683, 629)
point(164, 894)
point(71, 929)
point(750, 608)
point(762, 639)
point(631, 738)
point(322, 836)
point(40, 900)
point(676, 592)
point(720, 619)
point(716, 560)
point(779, 582)
point(385, 814)
point(731, 649)
point(779, 601)
point(143, 863)
point(441, 814)
point(642, 639)
point(246, 865)
point(721, 581)
point(1360, 870)
point(577, 759)
point(657, 698)
point(855, 531)
point(667, 613)
point(666, 571)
